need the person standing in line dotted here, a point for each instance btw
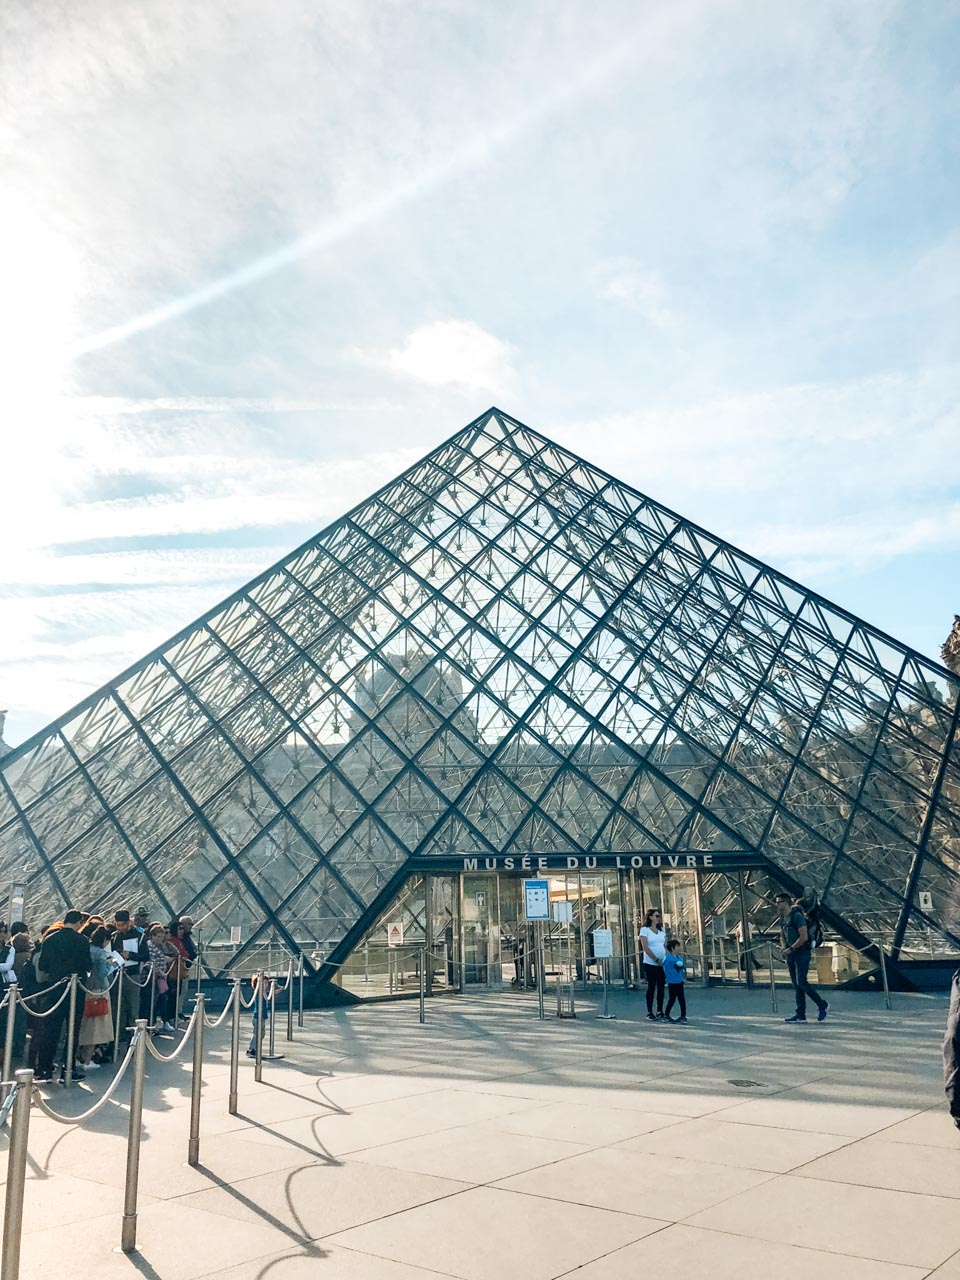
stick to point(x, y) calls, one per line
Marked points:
point(131, 951)
point(654, 943)
point(674, 970)
point(97, 1026)
point(63, 952)
point(795, 944)
point(23, 950)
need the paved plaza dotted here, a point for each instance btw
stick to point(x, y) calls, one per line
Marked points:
point(487, 1145)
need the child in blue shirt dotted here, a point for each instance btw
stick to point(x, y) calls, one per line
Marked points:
point(674, 968)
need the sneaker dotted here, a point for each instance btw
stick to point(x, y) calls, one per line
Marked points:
point(795, 1018)
point(821, 1016)
point(91, 1066)
point(683, 1022)
point(651, 1017)
point(251, 1053)
point(168, 1028)
point(667, 1018)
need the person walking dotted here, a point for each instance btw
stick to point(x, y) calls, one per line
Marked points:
point(654, 943)
point(795, 944)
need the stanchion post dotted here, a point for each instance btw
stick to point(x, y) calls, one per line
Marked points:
point(234, 1048)
point(116, 1028)
point(71, 1028)
point(196, 1083)
point(153, 998)
point(773, 978)
point(300, 996)
point(16, 1175)
point(423, 985)
point(258, 1030)
point(538, 959)
point(883, 974)
point(273, 1016)
point(12, 997)
point(290, 999)
point(128, 1235)
point(176, 1007)
point(704, 970)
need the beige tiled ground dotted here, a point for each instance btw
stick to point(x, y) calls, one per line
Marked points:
point(487, 1144)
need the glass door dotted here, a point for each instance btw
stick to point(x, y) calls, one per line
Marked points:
point(480, 916)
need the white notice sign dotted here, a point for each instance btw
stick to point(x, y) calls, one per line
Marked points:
point(563, 912)
point(536, 899)
point(395, 934)
point(235, 934)
point(603, 943)
point(926, 901)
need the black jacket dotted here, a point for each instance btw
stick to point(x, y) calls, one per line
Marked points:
point(143, 952)
point(951, 1051)
point(64, 952)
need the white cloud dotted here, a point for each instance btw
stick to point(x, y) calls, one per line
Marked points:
point(626, 282)
point(455, 353)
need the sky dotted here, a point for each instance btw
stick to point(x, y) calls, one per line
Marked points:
point(257, 259)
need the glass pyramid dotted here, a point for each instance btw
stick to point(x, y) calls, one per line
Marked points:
point(504, 650)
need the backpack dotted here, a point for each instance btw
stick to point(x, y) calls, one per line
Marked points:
point(814, 927)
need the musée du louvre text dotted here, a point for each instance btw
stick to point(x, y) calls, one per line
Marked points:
point(598, 861)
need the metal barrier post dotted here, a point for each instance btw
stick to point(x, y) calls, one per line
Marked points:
point(300, 1003)
point(273, 1015)
point(71, 1029)
point(290, 999)
point(258, 1030)
point(423, 984)
point(176, 1007)
point(883, 974)
point(153, 999)
point(773, 979)
point(234, 1048)
point(12, 994)
point(116, 1029)
point(16, 1175)
point(605, 964)
point(704, 970)
point(723, 964)
point(196, 1083)
point(128, 1236)
point(538, 957)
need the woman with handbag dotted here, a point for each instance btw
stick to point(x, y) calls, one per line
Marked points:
point(96, 1027)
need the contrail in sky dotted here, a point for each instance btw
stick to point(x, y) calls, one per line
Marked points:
point(466, 158)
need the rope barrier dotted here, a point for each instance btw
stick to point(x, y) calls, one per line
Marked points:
point(171, 1057)
point(35, 1013)
point(216, 1022)
point(101, 1102)
point(110, 985)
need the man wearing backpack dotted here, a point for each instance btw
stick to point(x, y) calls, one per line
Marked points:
point(795, 939)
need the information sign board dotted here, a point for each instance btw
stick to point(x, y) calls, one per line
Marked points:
point(395, 934)
point(603, 944)
point(536, 899)
point(562, 912)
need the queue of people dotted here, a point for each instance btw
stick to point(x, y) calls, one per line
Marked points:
point(128, 968)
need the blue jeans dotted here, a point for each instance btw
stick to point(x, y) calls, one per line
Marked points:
point(252, 1047)
point(798, 962)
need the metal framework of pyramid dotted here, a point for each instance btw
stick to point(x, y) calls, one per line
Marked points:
point(503, 650)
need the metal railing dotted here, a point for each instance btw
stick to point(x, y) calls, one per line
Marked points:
point(22, 1092)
